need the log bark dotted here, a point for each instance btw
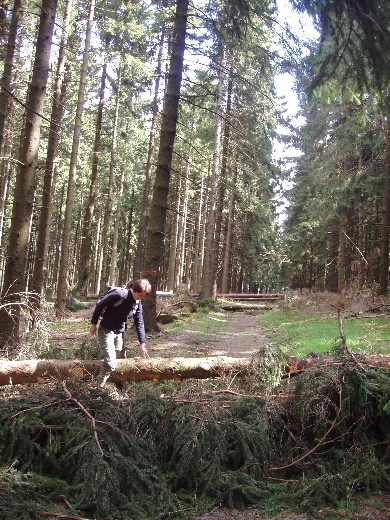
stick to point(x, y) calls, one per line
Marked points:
point(133, 369)
point(156, 369)
point(246, 307)
point(249, 296)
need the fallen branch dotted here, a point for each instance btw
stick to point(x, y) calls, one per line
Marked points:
point(280, 479)
point(85, 411)
point(370, 317)
point(319, 443)
point(231, 392)
point(344, 340)
point(171, 513)
point(63, 498)
point(63, 517)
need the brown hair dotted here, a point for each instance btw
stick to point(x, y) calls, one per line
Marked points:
point(139, 286)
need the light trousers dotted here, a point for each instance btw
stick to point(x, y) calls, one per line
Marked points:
point(110, 343)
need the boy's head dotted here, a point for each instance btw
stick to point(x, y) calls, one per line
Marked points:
point(140, 287)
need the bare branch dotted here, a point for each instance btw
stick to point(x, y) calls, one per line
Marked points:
point(85, 411)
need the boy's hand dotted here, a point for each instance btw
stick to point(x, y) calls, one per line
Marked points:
point(143, 351)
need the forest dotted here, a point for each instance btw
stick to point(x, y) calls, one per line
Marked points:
point(137, 139)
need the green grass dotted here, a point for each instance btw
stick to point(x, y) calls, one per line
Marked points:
point(303, 334)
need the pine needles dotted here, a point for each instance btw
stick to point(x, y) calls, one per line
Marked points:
point(323, 437)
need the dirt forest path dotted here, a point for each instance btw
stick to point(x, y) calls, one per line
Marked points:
point(223, 334)
point(219, 333)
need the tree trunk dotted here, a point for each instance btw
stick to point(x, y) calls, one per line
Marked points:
point(106, 263)
point(15, 276)
point(198, 249)
point(73, 269)
point(332, 246)
point(362, 261)
point(143, 223)
point(5, 177)
point(189, 253)
point(341, 260)
point(178, 228)
point(3, 22)
point(45, 216)
point(156, 369)
point(225, 285)
point(153, 254)
point(181, 245)
point(217, 267)
point(62, 287)
point(174, 232)
point(6, 78)
point(95, 275)
point(208, 280)
point(385, 225)
point(125, 269)
point(5, 111)
point(84, 274)
point(113, 279)
point(384, 248)
point(5, 180)
point(57, 243)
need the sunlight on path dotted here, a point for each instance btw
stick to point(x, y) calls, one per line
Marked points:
point(238, 336)
point(244, 336)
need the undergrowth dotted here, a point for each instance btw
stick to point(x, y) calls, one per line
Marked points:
point(163, 448)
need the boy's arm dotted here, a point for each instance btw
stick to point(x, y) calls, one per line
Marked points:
point(140, 327)
point(108, 300)
point(98, 311)
point(139, 324)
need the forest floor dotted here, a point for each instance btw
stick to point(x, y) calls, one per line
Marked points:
point(229, 334)
point(233, 334)
point(238, 335)
point(375, 508)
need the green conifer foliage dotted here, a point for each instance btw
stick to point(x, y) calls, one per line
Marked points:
point(320, 438)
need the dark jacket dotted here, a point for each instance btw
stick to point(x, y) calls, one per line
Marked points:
point(115, 317)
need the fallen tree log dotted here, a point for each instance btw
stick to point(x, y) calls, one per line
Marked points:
point(238, 307)
point(132, 369)
point(151, 369)
point(251, 296)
